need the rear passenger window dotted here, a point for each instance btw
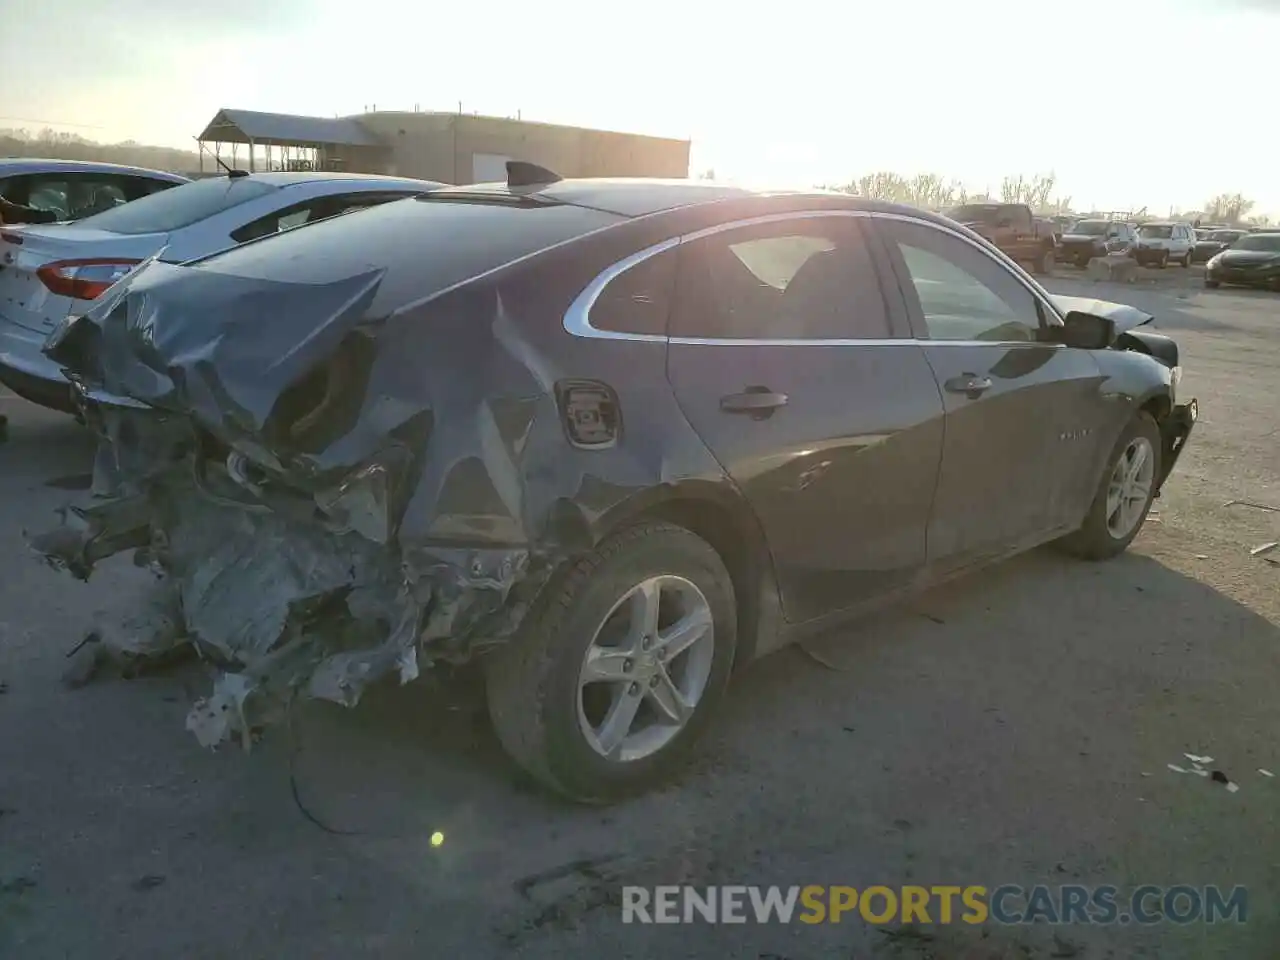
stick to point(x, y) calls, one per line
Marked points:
point(807, 278)
point(638, 300)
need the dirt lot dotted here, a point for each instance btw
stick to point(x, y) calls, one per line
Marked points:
point(1013, 727)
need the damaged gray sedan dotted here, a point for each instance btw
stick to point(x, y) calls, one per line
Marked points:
point(611, 438)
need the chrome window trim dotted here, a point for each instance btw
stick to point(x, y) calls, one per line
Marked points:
point(577, 318)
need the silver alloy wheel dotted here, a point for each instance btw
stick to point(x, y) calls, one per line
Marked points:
point(1130, 487)
point(646, 668)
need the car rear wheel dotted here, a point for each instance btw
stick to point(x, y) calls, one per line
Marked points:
point(619, 666)
point(1124, 496)
point(1186, 259)
point(1163, 260)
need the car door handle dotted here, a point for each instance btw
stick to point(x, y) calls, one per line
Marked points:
point(759, 402)
point(970, 384)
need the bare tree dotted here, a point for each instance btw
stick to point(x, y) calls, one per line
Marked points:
point(1034, 191)
point(1228, 207)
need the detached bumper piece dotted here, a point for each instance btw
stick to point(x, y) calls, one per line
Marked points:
point(1175, 429)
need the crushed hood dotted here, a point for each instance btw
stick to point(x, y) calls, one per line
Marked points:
point(1122, 315)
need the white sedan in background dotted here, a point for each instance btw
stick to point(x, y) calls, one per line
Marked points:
point(48, 272)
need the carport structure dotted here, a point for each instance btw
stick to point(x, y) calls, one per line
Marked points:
point(288, 142)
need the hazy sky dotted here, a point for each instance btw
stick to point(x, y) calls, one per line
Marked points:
point(1130, 102)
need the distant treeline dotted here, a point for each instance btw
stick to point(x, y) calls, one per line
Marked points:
point(69, 146)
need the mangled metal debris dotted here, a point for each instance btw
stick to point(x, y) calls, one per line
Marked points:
point(262, 449)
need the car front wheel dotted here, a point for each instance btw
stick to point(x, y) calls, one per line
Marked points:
point(1124, 496)
point(1044, 264)
point(619, 666)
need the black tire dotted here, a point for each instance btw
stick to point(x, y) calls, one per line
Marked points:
point(1212, 284)
point(532, 683)
point(1186, 260)
point(1163, 261)
point(1095, 540)
point(1044, 264)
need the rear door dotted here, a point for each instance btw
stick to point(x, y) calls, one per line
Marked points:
point(1020, 412)
point(788, 363)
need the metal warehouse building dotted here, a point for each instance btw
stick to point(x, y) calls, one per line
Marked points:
point(450, 147)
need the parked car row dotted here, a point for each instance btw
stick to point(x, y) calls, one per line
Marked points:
point(1252, 260)
point(1087, 239)
point(1237, 256)
point(1212, 242)
point(613, 439)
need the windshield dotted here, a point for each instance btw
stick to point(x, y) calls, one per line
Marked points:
point(1269, 242)
point(1226, 236)
point(1159, 231)
point(1091, 228)
point(179, 207)
point(975, 212)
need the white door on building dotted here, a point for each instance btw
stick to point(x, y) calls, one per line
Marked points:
point(488, 167)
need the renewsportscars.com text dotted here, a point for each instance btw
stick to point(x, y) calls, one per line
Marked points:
point(1007, 904)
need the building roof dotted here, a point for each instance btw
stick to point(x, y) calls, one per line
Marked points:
point(285, 129)
point(411, 115)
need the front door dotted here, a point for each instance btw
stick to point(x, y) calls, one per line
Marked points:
point(1020, 412)
point(785, 361)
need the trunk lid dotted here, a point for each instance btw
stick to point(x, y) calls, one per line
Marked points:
point(25, 299)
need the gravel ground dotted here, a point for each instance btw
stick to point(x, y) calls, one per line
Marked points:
point(1012, 727)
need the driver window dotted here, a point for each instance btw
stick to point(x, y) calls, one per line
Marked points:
point(963, 293)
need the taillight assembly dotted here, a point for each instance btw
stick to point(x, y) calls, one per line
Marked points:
point(83, 279)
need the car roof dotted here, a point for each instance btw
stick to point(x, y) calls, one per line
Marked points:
point(638, 196)
point(285, 179)
point(11, 166)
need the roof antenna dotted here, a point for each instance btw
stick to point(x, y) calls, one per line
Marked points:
point(521, 173)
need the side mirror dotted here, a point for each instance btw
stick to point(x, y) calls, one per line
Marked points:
point(1084, 331)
